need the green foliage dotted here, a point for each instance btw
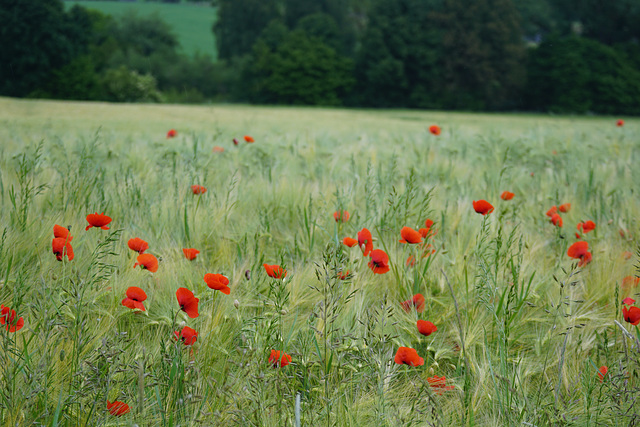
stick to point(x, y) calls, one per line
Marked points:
point(124, 85)
point(579, 75)
point(300, 70)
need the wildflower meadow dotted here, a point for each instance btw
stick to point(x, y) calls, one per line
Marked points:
point(172, 265)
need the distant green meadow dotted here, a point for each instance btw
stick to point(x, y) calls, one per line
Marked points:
point(192, 23)
point(525, 333)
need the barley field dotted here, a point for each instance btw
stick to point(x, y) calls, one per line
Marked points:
point(482, 320)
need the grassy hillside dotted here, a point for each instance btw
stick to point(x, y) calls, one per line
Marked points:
point(523, 331)
point(191, 23)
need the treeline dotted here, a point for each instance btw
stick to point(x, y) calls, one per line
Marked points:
point(544, 55)
point(565, 56)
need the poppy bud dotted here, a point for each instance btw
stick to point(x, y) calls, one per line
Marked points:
point(236, 303)
point(247, 274)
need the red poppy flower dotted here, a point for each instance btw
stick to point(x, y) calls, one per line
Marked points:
point(117, 408)
point(62, 247)
point(482, 207)
point(408, 356)
point(343, 275)
point(586, 226)
point(61, 232)
point(134, 299)
point(147, 261)
point(190, 253)
point(426, 328)
point(627, 255)
point(379, 263)
point(249, 139)
point(98, 220)
point(411, 261)
point(198, 189)
point(409, 235)
point(439, 384)
point(556, 220)
point(10, 318)
point(349, 241)
point(620, 123)
point(188, 302)
point(507, 195)
point(188, 335)
point(279, 359)
point(602, 372)
point(217, 149)
point(630, 281)
point(172, 133)
point(275, 271)
point(217, 282)
point(235, 141)
point(435, 130)
point(628, 301)
point(580, 250)
point(365, 241)
point(138, 245)
point(631, 315)
point(553, 210)
point(341, 216)
point(417, 301)
point(565, 207)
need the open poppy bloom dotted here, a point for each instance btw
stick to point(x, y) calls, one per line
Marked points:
point(556, 220)
point(249, 139)
point(602, 372)
point(580, 250)
point(61, 247)
point(275, 271)
point(482, 207)
point(627, 255)
point(365, 241)
point(411, 236)
point(341, 216)
point(424, 232)
point(61, 232)
point(620, 123)
point(10, 318)
point(379, 263)
point(507, 195)
point(630, 281)
point(235, 141)
point(564, 208)
point(218, 149)
point(586, 226)
point(279, 358)
point(198, 189)
point(417, 301)
point(631, 315)
point(98, 220)
point(138, 245)
point(435, 130)
point(628, 301)
point(147, 261)
point(188, 335)
point(408, 356)
point(188, 302)
point(172, 133)
point(426, 328)
point(439, 384)
point(217, 282)
point(411, 261)
point(134, 299)
point(349, 241)
point(117, 408)
point(190, 253)
point(343, 275)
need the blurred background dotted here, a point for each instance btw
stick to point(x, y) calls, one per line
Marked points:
point(559, 56)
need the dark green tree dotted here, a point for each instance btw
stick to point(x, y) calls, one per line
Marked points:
point(483, 54)
point(240, 23)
